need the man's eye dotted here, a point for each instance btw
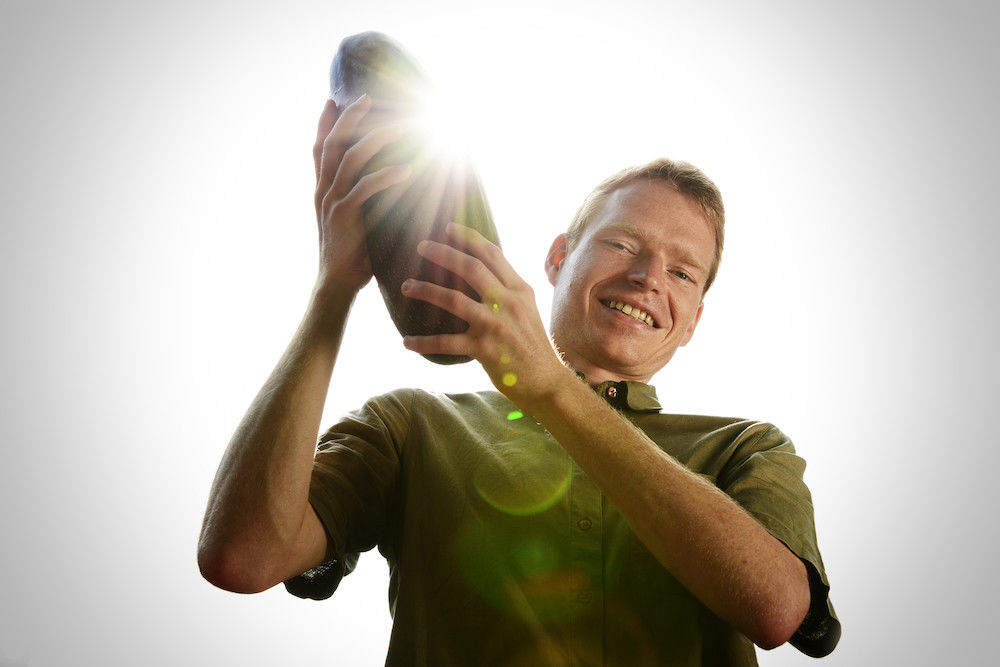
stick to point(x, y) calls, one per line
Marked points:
point(682, 275)
point(617, 245)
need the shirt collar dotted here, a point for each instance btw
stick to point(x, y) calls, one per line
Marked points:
point(627, 394)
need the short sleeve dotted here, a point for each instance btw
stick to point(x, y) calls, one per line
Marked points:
point(765, 476)
point(354, 488)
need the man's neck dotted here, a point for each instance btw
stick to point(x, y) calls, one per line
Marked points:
point(595, 375)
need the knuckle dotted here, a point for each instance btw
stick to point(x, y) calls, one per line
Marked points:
point(365, 187)
point(486, 277)
point(334, 141)
point(492, 251)
point(453, 299)
point(482, 264)
point(339, 208)
point(373, 140)
point(470, 263)
point(354, 152)
point(492, 325)
point(367, 181)
point(324, 199)
point(370, 184)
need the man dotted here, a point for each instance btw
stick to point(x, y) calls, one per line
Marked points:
point(563, 521)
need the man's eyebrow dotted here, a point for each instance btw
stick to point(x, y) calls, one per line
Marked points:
point(626, 228)
point(691, 260)
point(635, 232)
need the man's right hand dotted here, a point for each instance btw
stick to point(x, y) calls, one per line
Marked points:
point(339, 159)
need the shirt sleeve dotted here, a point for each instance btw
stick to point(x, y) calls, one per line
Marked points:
point(354, 488)
point(765, 477)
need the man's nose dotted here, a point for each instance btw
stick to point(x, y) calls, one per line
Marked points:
point(647, 271)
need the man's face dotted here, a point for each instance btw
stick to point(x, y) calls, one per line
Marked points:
point(648, 251)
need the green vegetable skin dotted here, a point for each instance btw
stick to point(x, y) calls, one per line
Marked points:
point(440, 190)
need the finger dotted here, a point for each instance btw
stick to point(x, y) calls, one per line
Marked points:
point(453, 301)
point(326, 121)
point(458, 344)
point(470, 269)
point(376, 182)
point(336, 143)
point(486, 251)
point(358, 155)
point(450, 300)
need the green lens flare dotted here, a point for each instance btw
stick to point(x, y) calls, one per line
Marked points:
point(524, 476)
point(516, 414)
point(522, 571)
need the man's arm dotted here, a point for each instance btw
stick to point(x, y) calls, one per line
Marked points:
point(259, 528)
point(717, 550)
point(705, 539)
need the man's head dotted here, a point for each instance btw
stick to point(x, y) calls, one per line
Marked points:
point(683, 176)
point(630, 273)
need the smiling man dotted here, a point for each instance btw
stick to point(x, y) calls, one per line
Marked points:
point(646, 252)
point(564, 520)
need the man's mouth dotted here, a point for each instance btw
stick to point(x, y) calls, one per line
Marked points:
point(631, 311)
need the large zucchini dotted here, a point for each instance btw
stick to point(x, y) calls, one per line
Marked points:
point(440, 190)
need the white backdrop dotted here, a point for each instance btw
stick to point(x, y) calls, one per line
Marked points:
point(159, 246)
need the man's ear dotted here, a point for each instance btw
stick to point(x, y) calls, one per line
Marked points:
point(557, 254)
point(690, 330)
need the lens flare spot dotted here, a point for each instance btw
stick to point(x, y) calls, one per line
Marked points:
point(514, 414)
point(509, 379)
point(496, 307)
point(504, 358)
point(525, 476)
point(522, 571)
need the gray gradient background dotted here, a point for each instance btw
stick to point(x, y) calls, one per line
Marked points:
point(158, 249)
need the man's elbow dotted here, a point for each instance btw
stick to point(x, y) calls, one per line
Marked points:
point(233, 570)
point(772, 637)
point(782, 618)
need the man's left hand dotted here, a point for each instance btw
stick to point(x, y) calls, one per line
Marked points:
point(506, 334)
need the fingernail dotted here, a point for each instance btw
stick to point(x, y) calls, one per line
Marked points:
point(407, 286)
point(422, 246)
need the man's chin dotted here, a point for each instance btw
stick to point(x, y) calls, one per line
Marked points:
point(626, 363)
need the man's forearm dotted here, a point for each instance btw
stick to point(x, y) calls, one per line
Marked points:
point(705, 539)
point(260, 496)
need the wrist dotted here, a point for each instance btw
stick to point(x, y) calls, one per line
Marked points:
point(331, 288)
point(330, 303)
point(546, 395)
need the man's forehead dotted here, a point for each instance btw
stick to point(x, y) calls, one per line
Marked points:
point(647, 207)
point(651, 193)
point(656, 212)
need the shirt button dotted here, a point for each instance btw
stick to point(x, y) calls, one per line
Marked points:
point(584, 597)
point(584, 524)
point(612, 392)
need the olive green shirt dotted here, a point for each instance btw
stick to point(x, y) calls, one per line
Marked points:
point(503, 552)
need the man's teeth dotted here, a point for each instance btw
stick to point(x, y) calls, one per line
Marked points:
point(631, 310)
